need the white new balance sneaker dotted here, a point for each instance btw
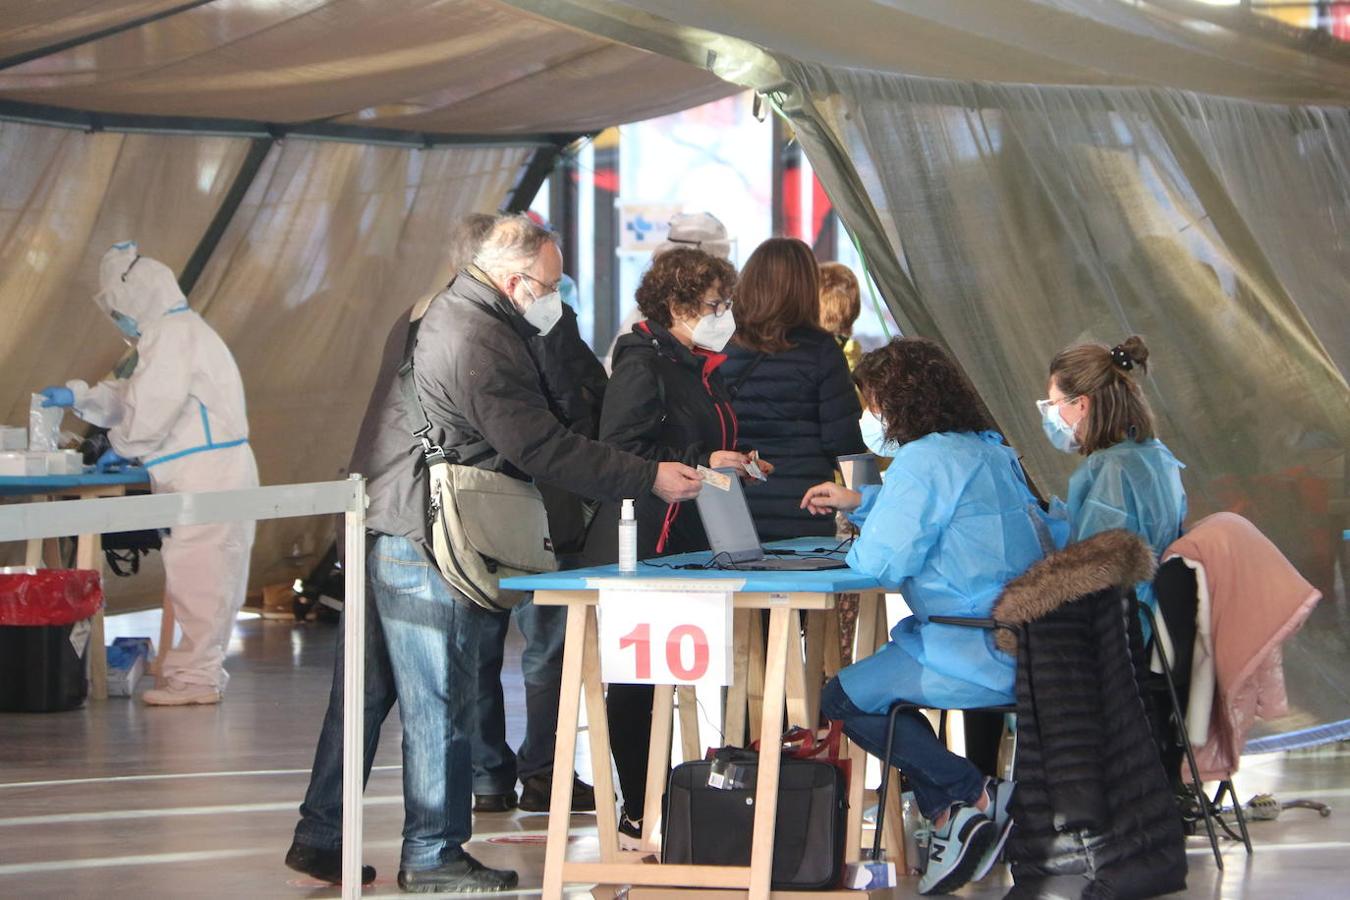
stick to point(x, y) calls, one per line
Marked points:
point(956, 849)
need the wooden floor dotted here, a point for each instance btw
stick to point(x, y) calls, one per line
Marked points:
point(121, 800)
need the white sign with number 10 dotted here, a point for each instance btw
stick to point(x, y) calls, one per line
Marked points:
point(665, 637)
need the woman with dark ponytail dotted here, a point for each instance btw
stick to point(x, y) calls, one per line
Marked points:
point(1128, 479)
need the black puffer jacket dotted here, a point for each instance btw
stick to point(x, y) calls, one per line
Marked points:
point(665, 403)
point(798, 408)
point(1095, 815)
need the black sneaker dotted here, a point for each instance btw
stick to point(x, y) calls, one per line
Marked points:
point(630, 833)
point(494, 803)
point(322, 865)
point(537, 790)
point(463, 876)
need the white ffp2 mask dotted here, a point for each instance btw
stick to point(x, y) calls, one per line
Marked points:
point(545, 311)
point(712, 332)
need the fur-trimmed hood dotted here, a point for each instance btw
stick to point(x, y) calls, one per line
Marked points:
point(1109, 559)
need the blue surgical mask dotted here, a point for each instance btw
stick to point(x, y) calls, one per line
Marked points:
point(127, 325)
point(874, 435)
point(1060, 433)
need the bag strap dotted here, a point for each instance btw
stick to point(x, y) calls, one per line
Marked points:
point(415, 414)
point(735, 387)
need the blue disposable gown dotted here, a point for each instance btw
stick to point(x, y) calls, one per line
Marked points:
point(1132, 485)
point(952, 524)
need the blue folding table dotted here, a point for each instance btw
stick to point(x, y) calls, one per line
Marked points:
point(785, 677)
point(89, 485)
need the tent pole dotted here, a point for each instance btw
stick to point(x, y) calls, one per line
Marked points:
point(29, 55)
point(243, 180)
point(532, 178)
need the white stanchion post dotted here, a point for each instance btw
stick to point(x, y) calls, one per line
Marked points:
point(353, 689)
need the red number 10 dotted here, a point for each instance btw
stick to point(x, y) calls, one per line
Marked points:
point(640, 639)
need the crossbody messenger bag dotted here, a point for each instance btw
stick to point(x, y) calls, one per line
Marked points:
point(485, 526)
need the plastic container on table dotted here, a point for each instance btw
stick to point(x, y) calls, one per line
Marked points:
point(44, 637)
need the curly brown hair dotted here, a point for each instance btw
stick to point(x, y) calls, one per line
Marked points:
point(918, 390)
point(679, 279)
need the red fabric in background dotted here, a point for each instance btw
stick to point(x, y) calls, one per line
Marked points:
point(50, 597)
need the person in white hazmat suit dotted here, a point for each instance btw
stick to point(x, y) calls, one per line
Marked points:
point(181, 412)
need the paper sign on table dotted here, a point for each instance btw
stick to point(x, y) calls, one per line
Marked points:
point(665, 637)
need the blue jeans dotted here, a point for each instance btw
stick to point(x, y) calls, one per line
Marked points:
point(939, 777)
point(428, 630)
point(495, 766)
point(321, 812)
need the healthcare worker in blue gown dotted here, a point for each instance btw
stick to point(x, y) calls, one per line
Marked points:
point(954, 522)
point(1128, 478)
point(181, 413)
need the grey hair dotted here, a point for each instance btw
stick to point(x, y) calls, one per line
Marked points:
point(513, 244)
point(467, 236)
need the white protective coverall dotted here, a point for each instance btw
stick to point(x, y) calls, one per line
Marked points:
point(181, 412)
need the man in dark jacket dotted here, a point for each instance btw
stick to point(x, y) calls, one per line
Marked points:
point(480, 389)
point(317, 846)
point(574, 383)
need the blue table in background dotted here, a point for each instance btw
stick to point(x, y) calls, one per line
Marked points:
point(787, 681)
point(88, 547)
point(47, 485)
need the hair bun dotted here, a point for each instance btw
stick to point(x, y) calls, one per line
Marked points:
point(1129, 353)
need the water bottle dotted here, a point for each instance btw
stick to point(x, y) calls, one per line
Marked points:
point(627, 539)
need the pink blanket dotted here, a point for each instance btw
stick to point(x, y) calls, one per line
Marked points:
point(1257, 601)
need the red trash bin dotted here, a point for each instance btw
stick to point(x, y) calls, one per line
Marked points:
point(44, 637)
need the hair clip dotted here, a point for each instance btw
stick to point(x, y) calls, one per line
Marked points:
point(1121, 358)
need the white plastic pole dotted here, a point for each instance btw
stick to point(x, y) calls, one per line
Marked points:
point(353, 689)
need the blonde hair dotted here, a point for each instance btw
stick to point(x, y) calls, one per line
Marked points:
point(840, 299)
point(1119, 410)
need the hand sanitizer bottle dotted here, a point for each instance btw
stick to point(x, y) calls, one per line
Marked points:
point(627, 539)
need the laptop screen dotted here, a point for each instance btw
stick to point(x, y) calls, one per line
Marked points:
point(726, 519)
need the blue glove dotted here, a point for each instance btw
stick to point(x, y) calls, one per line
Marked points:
point(110, 460)
point(56, 395)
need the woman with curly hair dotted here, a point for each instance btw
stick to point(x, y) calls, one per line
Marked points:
point(953, 522)
point(666, 402)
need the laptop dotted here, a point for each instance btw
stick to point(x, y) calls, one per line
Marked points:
point(735, 542)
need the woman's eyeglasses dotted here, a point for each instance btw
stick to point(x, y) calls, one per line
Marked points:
point(718, 307)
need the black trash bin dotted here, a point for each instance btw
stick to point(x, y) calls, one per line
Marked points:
point(45, 638)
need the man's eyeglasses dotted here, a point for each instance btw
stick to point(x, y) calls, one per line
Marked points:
point(548, 288)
